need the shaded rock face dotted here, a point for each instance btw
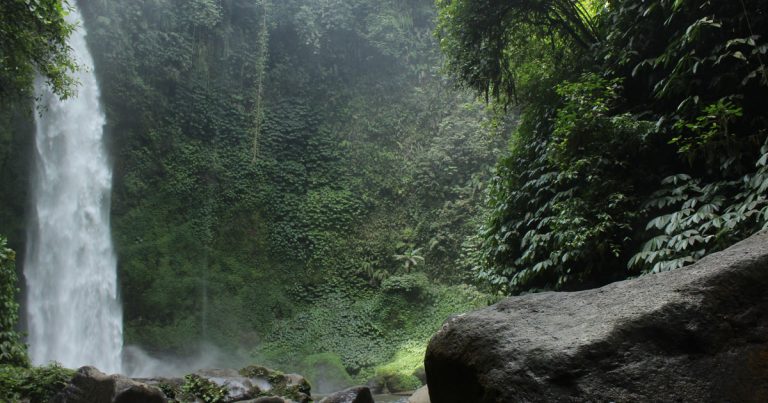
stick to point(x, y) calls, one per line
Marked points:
point(357, 394)
point(696, 334)
point(91, 386)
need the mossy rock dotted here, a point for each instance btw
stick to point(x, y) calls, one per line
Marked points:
point(196, 387)
point(397, 383)
point(255, 371)
point(290, 386)
point(327, 372)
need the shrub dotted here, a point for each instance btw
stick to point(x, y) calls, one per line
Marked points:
point(37, 384)
point(198, 387)
point(12, 350)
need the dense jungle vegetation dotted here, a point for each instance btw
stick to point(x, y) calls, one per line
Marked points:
point(293, 180)
point(309, 182)
point(642, 142)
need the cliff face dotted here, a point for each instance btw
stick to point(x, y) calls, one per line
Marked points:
point(695, 334)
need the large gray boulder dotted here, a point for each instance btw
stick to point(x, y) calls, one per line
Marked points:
point(89, 385)
point(697, 334)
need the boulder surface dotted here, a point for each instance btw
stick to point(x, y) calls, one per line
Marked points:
point(420, 396)
point(695, 334)
point(89, 385)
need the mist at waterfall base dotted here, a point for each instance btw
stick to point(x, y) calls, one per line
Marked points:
point(138, 363)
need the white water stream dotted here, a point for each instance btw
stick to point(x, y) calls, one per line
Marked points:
point(74, 315)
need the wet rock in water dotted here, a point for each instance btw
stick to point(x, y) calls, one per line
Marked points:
point(238, 387)
point(695, 334)
point(420, 396)
point(290, 386)
point(89, 385)
point(248, 385)
point(357, 394)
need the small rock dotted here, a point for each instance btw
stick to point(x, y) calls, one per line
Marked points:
point(357, 394)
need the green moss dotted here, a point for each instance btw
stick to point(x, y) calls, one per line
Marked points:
point(398, 374)
point(326, 372)
point(255, 371)
point(403, 383)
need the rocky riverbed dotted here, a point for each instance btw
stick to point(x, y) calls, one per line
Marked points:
point(252, 384)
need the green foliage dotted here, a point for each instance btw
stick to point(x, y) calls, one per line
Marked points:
point(271, 159)
point(665, 87)
point(699, 68)
point(371, 328)
point(196, 388)
point(410, 259)
point(708, 128)
point(416, 286)
point(322, 328)
point(489, 42)
point(33, 39)
point(701, 218)
point(271, 154)
point(565, 201)
point(33, 384)
point(13, 351)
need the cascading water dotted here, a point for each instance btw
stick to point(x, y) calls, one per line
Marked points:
point(74, 315)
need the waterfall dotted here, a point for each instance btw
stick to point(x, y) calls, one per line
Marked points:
point(74, 315)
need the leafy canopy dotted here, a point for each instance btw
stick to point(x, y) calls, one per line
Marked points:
point(33, 38)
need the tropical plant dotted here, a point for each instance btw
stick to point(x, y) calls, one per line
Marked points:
point(410, 259)
point(196, 387)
